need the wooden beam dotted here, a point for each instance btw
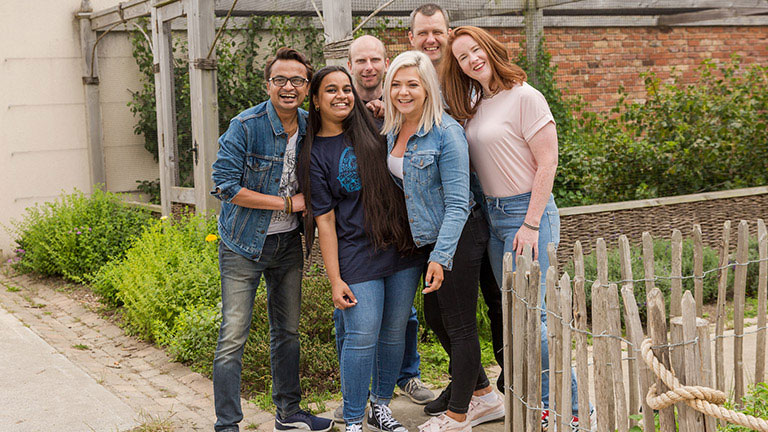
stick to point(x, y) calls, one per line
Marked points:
point(124, 11)
point(534, 31)
point(98, 176)
point(337, 16)
point(707, 15)
point(184, 195)
point(166, 110)
point(171, 11)
point(203, 101)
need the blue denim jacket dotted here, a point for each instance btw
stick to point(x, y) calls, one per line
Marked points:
point(250, 156)
point(436, 186)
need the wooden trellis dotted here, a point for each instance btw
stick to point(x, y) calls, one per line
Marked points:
point(200, 16)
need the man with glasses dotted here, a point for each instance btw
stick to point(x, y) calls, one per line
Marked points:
point(255, 178)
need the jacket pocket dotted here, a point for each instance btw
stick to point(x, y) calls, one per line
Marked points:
point(425, 167)
point(256, 172)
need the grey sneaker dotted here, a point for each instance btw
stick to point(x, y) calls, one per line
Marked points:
point(417, 391)
point(338, 414)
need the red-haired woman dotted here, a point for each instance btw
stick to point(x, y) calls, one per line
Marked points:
point(513, 148)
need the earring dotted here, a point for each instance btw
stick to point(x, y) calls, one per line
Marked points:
point(317, 108)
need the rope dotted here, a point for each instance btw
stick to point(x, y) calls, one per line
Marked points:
point(702, 399)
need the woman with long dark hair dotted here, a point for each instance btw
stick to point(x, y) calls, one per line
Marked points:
point(513, 147)
point(367, 249)
point(427, 156)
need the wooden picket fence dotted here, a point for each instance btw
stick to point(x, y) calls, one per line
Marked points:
point(684, 348)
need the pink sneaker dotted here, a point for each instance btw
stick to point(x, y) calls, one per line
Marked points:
point(443, 423)
point(482, 411)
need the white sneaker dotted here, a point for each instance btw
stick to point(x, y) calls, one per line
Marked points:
point(354, 427)
point(481, 411)
point(443, 423)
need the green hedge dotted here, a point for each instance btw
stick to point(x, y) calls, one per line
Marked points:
point(169, 287)
point(76, 235)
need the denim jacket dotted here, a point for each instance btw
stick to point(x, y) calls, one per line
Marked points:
point(436, 186)
point(250, 156)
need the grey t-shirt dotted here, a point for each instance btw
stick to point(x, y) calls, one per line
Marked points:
point(289, 184)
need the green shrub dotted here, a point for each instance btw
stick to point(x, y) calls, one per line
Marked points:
point(755, 404)
point(169, 287)
point(76, 235)
point(662, 268)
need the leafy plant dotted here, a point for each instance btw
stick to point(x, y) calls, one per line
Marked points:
point(755, 404)
point(76, 235)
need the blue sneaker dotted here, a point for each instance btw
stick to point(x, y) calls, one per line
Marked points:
point(302, 421)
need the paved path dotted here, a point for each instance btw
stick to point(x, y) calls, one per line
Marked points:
point(64, 368)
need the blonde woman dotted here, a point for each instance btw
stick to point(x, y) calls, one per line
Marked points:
point(428, 158)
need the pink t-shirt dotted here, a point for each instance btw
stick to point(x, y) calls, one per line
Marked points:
point(498, 138)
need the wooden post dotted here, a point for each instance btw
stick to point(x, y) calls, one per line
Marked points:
point(203, 100)
point(657, 327)
point(553, 325)
point(604, 399)
point(552, 255)
point(534, 31)
point(533, 328)
point(676, 281)
point(166, 109)
point(337, 16)
point(506, 306)
point(601, 351)
point(739, 290)
point(566, 401)
point(580, 319)
point(720, 311)
point(635, 333)
point(518, 343)
point(705, 353)
point(613, 319)
point(679, 367)
point(98, 174)
point(626, 276)
point(762, 282)
point(698, 270)
point(648, 266)
point(691, 356)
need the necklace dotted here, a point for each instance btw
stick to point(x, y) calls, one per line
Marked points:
point(490, 94)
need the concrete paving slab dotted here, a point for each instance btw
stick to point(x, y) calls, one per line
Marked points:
point(43, 391)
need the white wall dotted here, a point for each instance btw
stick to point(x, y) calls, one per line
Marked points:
point(43, 143)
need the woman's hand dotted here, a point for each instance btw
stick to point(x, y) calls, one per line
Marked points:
point(342, 296)
point(433, 278)
point(526, 236)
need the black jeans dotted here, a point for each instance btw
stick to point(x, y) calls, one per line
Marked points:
point(451, 313)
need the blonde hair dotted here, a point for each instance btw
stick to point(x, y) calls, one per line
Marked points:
point(433, 105)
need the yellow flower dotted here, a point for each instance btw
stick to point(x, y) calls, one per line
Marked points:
point(211, 237)
point(164, 218)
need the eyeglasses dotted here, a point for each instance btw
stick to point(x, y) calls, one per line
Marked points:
point(281, 81)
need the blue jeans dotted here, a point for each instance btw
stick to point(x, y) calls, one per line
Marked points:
point(411, 358)
point(374, 340)
point(505, 217)
point(281, 264)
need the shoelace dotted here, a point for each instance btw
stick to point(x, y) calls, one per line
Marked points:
point(413, 385)
point(357, 427)
point(384, 415)
point(434, 423)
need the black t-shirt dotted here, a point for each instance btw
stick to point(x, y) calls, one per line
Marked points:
point(335, 185)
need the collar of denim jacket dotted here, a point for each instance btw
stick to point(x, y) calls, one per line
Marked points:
point(277, 124)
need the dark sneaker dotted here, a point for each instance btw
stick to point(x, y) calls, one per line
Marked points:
point(338, 414)
point(380, 419)
point(417, 391)
point(440, 404)
point(302, 421)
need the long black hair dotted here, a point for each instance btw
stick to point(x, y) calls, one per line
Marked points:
point(385, 214)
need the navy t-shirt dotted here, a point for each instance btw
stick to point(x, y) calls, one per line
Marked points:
point(335, 185)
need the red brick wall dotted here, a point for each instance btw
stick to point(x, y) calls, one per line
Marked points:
point(594, 62)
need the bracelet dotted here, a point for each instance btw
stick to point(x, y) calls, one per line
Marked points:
point(529, 226)
point(285, 205)
point(290, 204)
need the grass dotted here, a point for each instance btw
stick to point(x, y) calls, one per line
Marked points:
point(81, 347)
point(154, 424)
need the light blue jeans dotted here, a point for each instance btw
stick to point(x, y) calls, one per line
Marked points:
point(505, 217)
point(374, 331)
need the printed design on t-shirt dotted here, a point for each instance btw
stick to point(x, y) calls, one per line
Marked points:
point(289, 183)
point(348, 177)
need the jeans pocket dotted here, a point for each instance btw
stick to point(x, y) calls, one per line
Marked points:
point(553, 220)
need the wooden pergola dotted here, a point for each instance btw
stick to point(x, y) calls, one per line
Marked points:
point(336, 17)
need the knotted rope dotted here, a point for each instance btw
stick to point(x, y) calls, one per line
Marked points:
point(702, 399)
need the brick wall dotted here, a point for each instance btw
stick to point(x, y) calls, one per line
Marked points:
point(594, 62)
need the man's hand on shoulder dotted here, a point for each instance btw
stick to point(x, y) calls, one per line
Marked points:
point(376, 107)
